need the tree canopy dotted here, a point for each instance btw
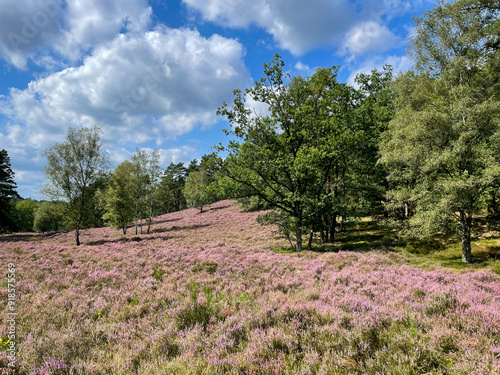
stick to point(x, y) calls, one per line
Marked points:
point(72, 167)
point(442, 147)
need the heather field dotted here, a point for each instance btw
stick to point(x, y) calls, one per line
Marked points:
point(206, 294)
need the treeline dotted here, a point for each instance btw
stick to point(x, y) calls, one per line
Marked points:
point(86, 194)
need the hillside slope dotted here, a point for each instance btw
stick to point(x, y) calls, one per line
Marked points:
point(204, 294)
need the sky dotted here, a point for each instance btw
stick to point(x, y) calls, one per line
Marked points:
point(152, 73)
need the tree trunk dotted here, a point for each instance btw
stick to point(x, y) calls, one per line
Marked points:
point(124, 230)
point(140, 214)
point(492, 204)
point(332, 229)
point(136, 203)
point(309, 244)
point(150, 216)
point(322, 234)
point(201, 209)
point(342, 224)
point(77, 236)
point(298, 237)
point(466, 221)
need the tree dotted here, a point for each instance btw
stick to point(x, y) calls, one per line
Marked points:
point(72, 167)
point(288, 155)
point(49, 216)
point(25, 214)
point(140, 182)
point(442, 146)
point(170, 189)
point(119, 197)
point(146, 176)
point(195, 189)
point(153, 172)
point(7, 192)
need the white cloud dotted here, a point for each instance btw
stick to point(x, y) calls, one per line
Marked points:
point(155, 86)
point(302, 25)
point(31, 29)
point(296, 25)
point(302, 67)
point(181, 154)
point(92, 22)
point(27, 26)
point(399, 64)
point(369, 36)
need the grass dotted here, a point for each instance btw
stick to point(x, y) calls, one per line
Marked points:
point(442, 250)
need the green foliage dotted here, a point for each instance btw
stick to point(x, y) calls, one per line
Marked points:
point(284, 226)
point(442, 147)
point(307, 156)
point(4, 344)
point(158, 273)
point(119, 197)
point(25, 214)
point(7, 193)
point(133, 302)
point(170, 190)
point(253, 203)
point(198, 312)
point(145, 171)
point(196, 189)
point(50, 216)
point(72, 168)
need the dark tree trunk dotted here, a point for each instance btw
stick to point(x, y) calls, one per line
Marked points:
point(150, 216)
point(492, 204)
point(342, 225)
point(77, 236)
point(309, 244)
point(298, 237)
point(466, 223)
point(136, 218)
point(125, 229)
point(322, 234)
point(332, 228)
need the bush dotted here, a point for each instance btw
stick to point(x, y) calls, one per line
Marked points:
point(49, 217)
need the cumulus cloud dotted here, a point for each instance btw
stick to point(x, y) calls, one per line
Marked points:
point(369, 36)
point(302, 67)
point(35, 28)
point(296, 25)
point(155, 86)
point(27, 26)
point(302, 25)
point(398, 63)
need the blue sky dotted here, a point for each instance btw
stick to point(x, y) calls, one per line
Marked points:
point(152, 74)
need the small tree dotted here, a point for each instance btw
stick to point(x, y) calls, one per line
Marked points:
point(195, 189)
point(72, 167)
point(153, 171)
point(49, 217)
point(119, 197)
point(140, 183)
